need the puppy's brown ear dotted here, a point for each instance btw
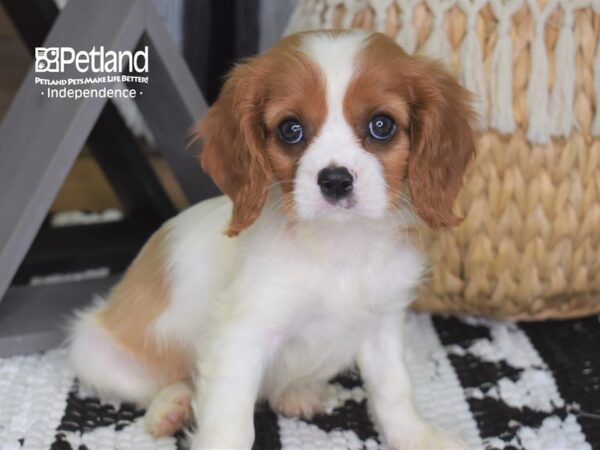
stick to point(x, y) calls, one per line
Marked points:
point(233, 153)
point(443, 141)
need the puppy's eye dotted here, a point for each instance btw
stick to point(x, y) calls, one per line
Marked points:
point(290, 131)
point(382, 127)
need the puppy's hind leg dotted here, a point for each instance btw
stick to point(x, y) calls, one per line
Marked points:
point(102, 364)
point(300, 400)
point(170, 410)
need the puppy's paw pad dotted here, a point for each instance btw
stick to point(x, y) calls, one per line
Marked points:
point(169, 412)
point(425, 438)
point(302, 402)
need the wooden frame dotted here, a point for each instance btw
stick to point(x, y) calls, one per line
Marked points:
point(122, 160)
point(40, 139)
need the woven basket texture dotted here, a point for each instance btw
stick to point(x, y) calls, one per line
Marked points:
point(529, 246)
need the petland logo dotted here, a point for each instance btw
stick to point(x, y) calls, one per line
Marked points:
point(56, 59)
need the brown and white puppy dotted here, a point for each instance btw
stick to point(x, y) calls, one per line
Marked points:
point(332, 148)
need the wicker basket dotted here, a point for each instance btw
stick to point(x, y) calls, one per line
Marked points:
point(529, 247)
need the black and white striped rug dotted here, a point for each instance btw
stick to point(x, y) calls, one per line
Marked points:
point(500, 385)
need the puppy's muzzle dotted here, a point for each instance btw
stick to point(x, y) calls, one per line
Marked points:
point(336, 183)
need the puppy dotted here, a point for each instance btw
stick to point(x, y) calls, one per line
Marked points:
point(333, 148)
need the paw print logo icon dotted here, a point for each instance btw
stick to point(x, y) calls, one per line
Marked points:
point(46, 59)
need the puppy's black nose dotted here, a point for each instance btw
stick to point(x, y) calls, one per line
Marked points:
point(335, 182)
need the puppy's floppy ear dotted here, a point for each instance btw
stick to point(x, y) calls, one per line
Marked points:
point(233, 153)
point(443, 141)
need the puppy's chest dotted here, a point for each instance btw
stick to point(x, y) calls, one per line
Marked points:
point(362, 276)
point(348, 292)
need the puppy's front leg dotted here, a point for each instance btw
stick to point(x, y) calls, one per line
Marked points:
point(249, 324)
point(229, 378)
point(381, 363)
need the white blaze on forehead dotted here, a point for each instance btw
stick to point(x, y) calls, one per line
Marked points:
point(336, 56)
point(336, 143)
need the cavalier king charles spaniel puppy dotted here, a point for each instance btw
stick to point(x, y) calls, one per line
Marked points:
point(334, 149)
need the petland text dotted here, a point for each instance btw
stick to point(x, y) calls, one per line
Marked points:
point(56, 59)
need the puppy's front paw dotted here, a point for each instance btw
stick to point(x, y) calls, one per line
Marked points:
point(423, 437)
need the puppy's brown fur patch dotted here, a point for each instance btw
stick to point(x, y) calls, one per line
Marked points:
point(434, 142)
point(133, 307)
point(242, 151)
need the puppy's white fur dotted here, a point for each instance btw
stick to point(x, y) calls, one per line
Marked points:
point(279, 310)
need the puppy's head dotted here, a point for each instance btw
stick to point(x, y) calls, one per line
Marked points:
point(344, 123)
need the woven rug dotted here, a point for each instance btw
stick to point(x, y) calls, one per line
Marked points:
point(499, 385)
